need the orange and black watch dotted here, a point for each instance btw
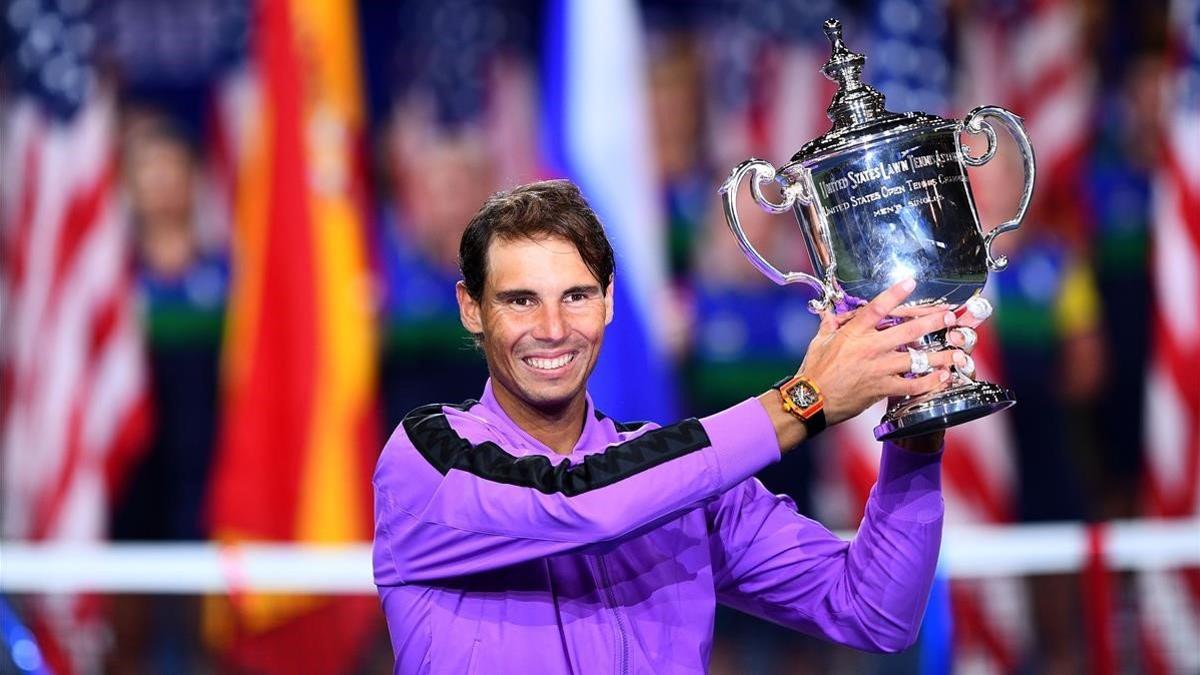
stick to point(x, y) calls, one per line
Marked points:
point(803, 399)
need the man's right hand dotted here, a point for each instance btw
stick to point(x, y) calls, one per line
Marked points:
point(855, 364)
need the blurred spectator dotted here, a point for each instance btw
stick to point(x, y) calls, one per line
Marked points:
point(183, 290)
point(1047, 324)
point(1123, 161)
point(1048, 331)
point(452, 88)
point(437, 181)
point(677, 106)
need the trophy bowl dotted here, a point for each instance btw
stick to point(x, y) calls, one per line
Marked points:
point(885, 196)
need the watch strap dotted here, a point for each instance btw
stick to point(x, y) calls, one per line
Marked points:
point(815, 424)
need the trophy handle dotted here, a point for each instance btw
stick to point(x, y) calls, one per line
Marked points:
point(764, 172)
point(974, 123)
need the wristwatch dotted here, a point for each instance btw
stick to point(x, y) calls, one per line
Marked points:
point(804, 400)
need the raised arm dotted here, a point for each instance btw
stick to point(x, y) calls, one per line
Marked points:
point(868, 593)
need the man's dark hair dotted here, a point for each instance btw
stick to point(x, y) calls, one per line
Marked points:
point(550, 208)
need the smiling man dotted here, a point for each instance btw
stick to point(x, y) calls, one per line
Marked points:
point(540, 314)
point(528, 532)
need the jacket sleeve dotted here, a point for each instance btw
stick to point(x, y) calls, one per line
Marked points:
point(868, 593)
point(450, 501)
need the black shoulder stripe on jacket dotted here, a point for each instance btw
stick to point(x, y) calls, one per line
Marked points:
point(432, 435)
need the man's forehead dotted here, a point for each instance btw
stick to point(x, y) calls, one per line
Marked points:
point(551, 242)
point(547, 260)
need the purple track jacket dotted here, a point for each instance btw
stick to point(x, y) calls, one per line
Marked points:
point(493, 554)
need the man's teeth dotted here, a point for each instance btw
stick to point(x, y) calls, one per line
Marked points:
point(549, 364)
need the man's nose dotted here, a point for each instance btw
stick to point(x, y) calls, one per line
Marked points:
point(551, 323)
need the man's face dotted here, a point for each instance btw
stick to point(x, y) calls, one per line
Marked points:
point(542, 317)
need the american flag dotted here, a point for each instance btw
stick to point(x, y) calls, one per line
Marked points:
point(769, 96)
point(1171, 609)
point(1031, 57)
point(74, 388)
point(1054, 89)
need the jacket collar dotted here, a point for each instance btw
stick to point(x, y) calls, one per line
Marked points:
point(593, 439)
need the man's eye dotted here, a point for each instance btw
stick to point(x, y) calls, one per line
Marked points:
point(577, 297)
point(521, 302)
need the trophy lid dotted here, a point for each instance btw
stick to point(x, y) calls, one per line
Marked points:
point(855, 102)
point(857, 109)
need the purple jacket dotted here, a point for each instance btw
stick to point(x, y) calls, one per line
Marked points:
point(493, 554)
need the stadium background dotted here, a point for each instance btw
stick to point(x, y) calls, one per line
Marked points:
point(228, 235)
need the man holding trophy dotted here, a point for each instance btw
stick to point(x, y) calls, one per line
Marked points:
point(527, 530)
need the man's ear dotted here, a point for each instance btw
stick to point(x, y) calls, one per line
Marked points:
point(608, 303)
point(468, 310)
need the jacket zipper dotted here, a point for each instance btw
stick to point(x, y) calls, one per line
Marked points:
point(612, 603)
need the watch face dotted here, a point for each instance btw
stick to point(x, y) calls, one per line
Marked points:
point(803, 395)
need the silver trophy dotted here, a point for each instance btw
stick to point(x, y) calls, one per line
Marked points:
point(884, 196)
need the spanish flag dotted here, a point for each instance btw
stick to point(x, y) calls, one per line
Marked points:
point(298, 435)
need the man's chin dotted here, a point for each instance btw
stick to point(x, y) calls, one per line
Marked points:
point(551, 398)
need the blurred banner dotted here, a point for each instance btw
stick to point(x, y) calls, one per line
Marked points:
point(298, 436)
point(1172, 619)
point(74, 405)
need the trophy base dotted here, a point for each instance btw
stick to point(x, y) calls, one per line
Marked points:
point(959, 404)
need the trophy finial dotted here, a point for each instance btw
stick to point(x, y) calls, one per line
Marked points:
point(854, 102)
point(833, 31)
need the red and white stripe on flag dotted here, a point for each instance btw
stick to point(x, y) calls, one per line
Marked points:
point(1053, 88)
point(1171, 599)
point(978, 471)
point(1037, 65)
point(785, 107)
point(75, 397)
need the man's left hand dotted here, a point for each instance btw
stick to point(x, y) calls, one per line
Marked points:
point(963, 336)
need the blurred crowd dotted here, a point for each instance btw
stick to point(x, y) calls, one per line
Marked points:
point(453, 115)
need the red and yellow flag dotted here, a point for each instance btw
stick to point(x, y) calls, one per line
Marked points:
point(298, 433)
